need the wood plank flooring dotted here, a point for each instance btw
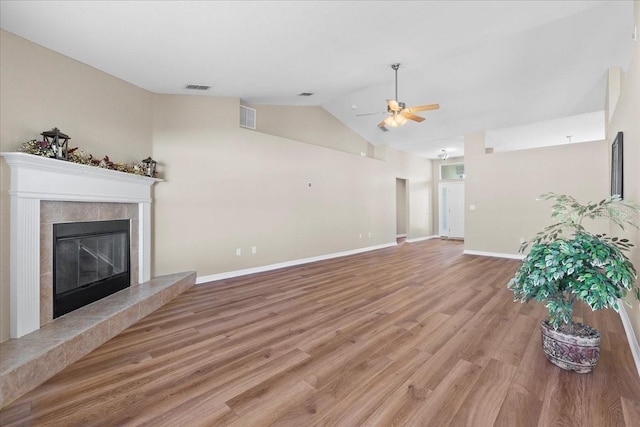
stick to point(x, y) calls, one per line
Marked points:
point(415, 335)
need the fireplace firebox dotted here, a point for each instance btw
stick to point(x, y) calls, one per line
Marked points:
point(91, 260)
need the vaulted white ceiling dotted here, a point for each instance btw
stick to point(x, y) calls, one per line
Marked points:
point(489, 64)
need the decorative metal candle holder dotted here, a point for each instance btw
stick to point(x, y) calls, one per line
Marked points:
point(150, 166)
point(57, 143)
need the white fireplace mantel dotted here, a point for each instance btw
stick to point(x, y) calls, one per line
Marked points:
point(35, 178)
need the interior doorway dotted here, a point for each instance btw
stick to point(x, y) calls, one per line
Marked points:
point(402, 209)
point(451, 213)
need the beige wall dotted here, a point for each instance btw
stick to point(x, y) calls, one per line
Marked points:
point(626, 119)
point(228, 187)
point(503, 187)
point(41, 89)
point(419, 208)
point(310, 124)
point(417, 172)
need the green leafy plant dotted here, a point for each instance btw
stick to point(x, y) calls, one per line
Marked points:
point(567, 262)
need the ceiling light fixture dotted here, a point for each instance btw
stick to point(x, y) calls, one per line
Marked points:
point(400, 119)
point(395, 121)
point(391, 122)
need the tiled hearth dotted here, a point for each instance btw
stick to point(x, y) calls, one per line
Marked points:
point(29, 361)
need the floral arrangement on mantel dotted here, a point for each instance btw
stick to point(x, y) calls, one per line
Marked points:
point(75, 155)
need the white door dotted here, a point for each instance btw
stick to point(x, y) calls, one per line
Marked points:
point(451, 199)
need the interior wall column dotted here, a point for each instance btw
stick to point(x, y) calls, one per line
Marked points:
point(144, 239)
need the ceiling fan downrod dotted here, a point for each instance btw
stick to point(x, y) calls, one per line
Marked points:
point(401, 105)
point(395, 68)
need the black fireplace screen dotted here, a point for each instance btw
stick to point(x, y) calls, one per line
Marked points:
point(91, 261)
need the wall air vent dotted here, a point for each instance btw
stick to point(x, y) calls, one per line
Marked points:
point(198, 87)
point(305, 94)
point(247, 117)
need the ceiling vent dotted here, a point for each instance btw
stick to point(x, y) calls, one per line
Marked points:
point(198, 87)
point(247, 117)
point(305, 94)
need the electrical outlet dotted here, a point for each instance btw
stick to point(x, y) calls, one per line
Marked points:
point(254, 250)
point(238, 252)
point(361, 235)
point(369, 234)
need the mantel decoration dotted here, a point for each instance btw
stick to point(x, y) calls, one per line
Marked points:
point(57, 143)
point(54, 145)
point(151, 166)
point(561, 268)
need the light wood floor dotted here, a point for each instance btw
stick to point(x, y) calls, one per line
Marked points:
point(416, 335)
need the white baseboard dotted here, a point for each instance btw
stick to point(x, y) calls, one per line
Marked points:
point(494, 254)
point(261, 269)
point(420, 239)
point(631, 336)
point(400, 235)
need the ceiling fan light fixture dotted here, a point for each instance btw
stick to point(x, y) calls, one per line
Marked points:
point(398, 112)
point(390, 122)
point(400, 119)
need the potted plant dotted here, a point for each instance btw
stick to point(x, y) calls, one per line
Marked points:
point(566, 262)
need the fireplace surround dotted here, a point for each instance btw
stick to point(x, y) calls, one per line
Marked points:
point(55, 212)
point(35, 180)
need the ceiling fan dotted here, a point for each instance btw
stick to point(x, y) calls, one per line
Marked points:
point(398, 112)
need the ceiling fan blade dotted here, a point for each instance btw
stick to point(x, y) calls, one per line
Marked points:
point(411, 116)
point(392, 105)
point(423, 108)
point(371, 114)
point(381, 124)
